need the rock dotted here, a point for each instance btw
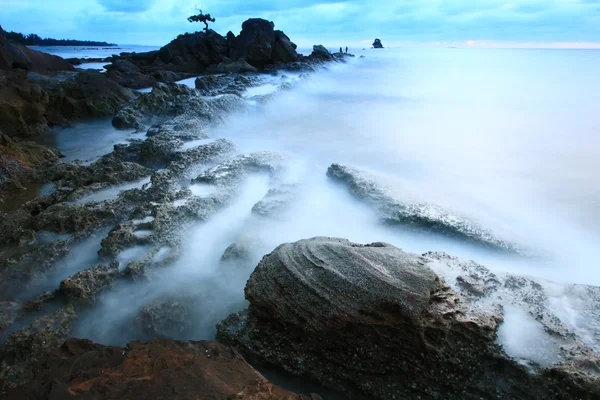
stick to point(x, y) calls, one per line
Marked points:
point(377, 44)
point(235, 252)
point(8, 313)
point(239, 66)
point(159, 369)
point(320, 52)
point(24, 349)
point(372, 320)
point(170, 318)
point(23, 163)
point(132, 80)
point(13, 55)
point(276, 201)
point(284, 51)
point(419, 216)
point(255, 42)
point(193, 52)
point(84, 286)
point(172, 99)
point(30, 103)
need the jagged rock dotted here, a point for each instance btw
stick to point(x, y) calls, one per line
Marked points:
point(193, 52)
point(159, 369)
point(85, 285)
point(420, 216)
point(373, 320)
point(170, 318)
point(172, 99)
point(377, 44)
point(320, 52)
point(275, 201)
point(227, 84)
point(255, 42)
point(284, 51)
point(24, 349)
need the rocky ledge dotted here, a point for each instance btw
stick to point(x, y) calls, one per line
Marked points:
point(374, 320)
point(159, 369)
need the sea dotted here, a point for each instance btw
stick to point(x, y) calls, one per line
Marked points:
point(507, 138)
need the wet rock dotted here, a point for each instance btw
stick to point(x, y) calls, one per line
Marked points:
point(84, 286)
point(168, 100)
point(235, 252)
point(276, 201)
point(170, 318)
point(373, 320)
point(419, 216)
point(24, 349)
point(231, 173)
point(377, 44)
point(159, 369)
point(9, 311)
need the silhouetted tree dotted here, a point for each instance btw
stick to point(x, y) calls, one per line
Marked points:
point(201, 17)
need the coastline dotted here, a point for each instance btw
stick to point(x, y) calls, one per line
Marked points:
point(136, 204)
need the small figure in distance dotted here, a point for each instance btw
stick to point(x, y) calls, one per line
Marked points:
point(340, 50)
point(346, 49)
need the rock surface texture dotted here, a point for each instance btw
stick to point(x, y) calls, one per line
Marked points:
point(159, 369)
point(410, 214)
point(371, 319)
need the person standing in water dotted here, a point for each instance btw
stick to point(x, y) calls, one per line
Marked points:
point(346, 49)
point(340, 50)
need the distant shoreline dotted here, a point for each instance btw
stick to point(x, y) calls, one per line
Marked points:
point(34, 40)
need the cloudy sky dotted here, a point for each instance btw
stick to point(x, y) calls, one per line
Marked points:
point(528, 23)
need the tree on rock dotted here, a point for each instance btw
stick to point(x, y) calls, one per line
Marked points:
point(201, 17)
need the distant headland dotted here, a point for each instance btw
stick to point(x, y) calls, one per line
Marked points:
point(34, 40)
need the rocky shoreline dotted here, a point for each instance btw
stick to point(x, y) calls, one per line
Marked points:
point(363, 319)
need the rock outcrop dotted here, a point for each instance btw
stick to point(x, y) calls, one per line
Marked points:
point(373, 320)
point(159, 369)
point(420, 216)
point(16, 57)
point(377, 44)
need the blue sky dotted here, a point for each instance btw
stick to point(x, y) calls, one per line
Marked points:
point(527, 23)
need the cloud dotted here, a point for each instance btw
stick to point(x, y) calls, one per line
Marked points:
point(127, 6)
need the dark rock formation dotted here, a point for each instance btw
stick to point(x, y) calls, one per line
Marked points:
point(321, 53)
point(372, 319)
point(33, 102)
point(193, 52)
point(159, 369)
point(168, 100)
point(15, 56)
point(420, 216)
point(377, 44)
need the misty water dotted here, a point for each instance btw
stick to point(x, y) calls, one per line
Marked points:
point(507, 138)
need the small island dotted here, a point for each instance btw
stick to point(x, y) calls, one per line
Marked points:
point(377, 44)
point(34, 40)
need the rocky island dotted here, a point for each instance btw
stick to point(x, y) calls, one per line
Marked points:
point(367, 320)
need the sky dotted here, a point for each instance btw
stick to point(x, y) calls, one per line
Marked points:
point(462, 23)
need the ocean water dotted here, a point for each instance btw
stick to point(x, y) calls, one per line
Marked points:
point(92, 51)
point(507, 138)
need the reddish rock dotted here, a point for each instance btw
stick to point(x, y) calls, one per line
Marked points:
point(159, 369)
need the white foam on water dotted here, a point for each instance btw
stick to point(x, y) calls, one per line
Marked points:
point(195, 143)
point(143, 234)
point(162, 254)
point(144, 220)
point(202, 189)
point(132, 254)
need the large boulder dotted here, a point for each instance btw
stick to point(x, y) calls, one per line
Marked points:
point(159, 369)
point(15, 56)
point(373, 320)
point(321, 53)
point(284, 50)
point(193, 52)
point(255, 42)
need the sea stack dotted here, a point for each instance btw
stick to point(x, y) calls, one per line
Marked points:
point(377, 44)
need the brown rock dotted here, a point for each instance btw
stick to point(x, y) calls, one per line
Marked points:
point(159, 369)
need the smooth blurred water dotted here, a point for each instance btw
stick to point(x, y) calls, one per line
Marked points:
point(506, 137)
point(92, 51)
